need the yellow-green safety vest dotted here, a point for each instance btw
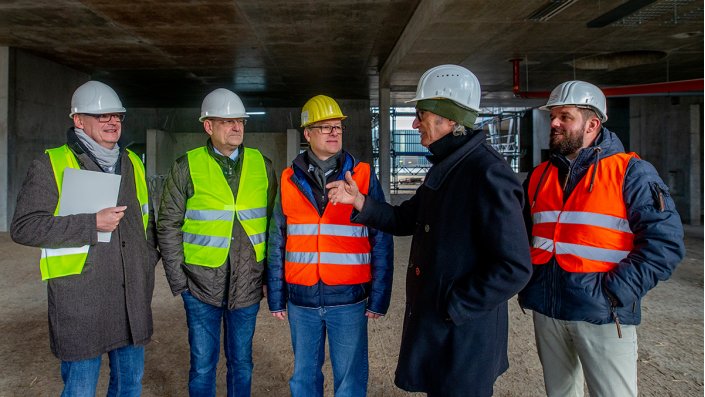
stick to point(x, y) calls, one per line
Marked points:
point(211, 211)
point(60, 262)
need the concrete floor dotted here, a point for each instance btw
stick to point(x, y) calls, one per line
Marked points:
point(670, 338)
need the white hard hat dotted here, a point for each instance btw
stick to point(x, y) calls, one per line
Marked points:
point(450, 82)
point(95, 97)
point(580, 94)
point(224, 104)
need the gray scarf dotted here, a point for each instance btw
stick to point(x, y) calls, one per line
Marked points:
point(322, 168)
point(106, 158)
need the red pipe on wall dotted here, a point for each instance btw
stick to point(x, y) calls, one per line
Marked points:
point(669, 87)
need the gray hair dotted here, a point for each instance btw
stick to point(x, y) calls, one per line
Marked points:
point(459, 129)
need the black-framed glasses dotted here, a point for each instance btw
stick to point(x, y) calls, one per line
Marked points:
point(104, 118)
point(419, 114)
point(231, 122)
point(328, 129)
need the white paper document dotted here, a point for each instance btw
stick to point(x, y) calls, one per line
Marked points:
point(87, 192)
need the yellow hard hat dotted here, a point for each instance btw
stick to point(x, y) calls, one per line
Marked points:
point(319, 108)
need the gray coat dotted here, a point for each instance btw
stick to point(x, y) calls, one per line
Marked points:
point(239, 279)
point(108, 305)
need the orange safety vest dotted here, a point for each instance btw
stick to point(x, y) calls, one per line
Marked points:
point(590, 232)
point(328, 247)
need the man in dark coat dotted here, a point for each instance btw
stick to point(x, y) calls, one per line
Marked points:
point(99, 292)
point(467, 254)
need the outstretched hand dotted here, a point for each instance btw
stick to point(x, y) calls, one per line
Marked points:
point(345, 192)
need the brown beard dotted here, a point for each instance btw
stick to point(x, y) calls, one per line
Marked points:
point(569, 144)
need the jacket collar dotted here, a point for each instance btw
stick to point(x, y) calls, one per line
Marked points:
point(219, 158)
point(438, 173)
point(346, 162)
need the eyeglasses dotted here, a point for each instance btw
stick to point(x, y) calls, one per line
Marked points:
point(327, 129)
point(419, 114)
point(231, 122)
point(104, 118)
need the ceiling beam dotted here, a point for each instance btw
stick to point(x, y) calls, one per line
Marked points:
point(423, 17)
point(618, 13)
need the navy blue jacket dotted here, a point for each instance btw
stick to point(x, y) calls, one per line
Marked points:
point(378, 291)
point(468, 258)
point(658, 247)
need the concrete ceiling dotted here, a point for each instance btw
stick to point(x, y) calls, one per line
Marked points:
point(279, 52)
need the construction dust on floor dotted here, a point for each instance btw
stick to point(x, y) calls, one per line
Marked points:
point(670, 338)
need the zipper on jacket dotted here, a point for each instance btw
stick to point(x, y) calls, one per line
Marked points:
point(552, 298)
point(613, 311)
point(567, 178)
point(616, 322)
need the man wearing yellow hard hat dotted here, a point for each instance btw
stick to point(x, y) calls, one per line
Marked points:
point(330, 275)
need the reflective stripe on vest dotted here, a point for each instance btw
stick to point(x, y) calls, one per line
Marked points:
point(327, 247)
point(590, 232)
point(60, 262)
point(210, 212)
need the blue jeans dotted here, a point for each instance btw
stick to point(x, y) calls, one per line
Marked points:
point(126, 370)
point(346, 326)
point(204, 322)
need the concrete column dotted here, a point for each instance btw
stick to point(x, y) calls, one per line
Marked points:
point(293, 144)
point(4, 116)
point(384, 141)
point(541, 131)
point(150, 151)
point(696, 163)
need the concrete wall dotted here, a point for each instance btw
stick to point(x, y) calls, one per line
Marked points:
point(668, 132)
point(4, 115)
point(177, 121)
point(35, 96)
point(39, 96)
point(171, 146)
point(541, 127)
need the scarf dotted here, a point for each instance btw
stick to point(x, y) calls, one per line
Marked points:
point(321, 168)
point(105, 158)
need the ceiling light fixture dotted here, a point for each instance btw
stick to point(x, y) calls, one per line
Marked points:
point(550, 10)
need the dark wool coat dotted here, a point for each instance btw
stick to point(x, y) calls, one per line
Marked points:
point(469, 256)
point(108, 305)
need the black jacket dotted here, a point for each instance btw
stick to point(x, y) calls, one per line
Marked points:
point(468, 258)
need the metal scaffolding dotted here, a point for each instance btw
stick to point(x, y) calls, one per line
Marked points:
point(409, 162)
point(503, 127)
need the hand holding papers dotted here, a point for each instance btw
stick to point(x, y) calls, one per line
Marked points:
point(90, 192)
